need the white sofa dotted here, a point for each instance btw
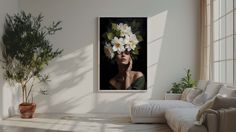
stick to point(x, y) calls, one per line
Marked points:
point(180, 115)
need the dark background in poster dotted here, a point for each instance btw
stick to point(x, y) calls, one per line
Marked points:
point(108, 69)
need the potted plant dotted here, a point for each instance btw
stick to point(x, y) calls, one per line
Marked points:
point(26, 51)
point(178, 87)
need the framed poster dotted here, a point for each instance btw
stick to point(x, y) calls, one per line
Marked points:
point(122, 50)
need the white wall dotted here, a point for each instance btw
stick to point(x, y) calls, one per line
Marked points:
point(7, 99)
point(173, 38)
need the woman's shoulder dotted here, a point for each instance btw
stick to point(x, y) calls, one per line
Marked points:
point(138, 81)
point(113, 80)
point(137, 74)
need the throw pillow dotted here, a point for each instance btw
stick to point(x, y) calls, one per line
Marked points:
point(212, 89)
point(224, 102)
point(185, 93)
point(204, 108)
point(200, 99)
point(202, 84)
point(227, 91)
point(192, 94)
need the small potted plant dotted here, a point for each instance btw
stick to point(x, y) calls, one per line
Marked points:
point(26, 51)
point(178, 87)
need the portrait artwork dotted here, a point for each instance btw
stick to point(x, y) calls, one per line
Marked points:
point(122, 53)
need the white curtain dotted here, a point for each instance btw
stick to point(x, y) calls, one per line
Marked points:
point(205, 41)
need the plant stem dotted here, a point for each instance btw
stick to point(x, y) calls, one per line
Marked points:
point(30, 90)
point(23, 93)
point(27, 93)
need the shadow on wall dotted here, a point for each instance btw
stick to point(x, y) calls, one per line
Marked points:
point(1, 90)
point(8, 96)
point(68, 74)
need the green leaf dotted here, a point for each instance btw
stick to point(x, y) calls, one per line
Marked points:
point(114, 26)
point(186, 82)
point(137, 33)
point(135, 51)
point(117, 33)
point(139, 37)
point(110, 35)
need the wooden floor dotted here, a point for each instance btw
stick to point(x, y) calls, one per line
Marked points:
point(78, 123)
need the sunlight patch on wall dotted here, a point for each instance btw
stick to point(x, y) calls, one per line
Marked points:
point(156, 28)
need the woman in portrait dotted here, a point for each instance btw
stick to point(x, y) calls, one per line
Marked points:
point(122, 48)
point(126, 79)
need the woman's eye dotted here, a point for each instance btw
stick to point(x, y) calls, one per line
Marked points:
point(127, 52)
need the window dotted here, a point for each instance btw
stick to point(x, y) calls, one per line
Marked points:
point(223, 25)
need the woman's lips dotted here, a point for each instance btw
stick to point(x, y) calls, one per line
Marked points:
point(123, 59)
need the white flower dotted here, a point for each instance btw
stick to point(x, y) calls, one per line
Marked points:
point(109, 51)
point(131, 42)
point(126, 40)
point(124, 29)
point(118, 45)
point(120, 26)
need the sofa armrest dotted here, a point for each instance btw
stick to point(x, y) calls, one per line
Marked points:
point(212, 122)
point(216, 119)
point(172, 96)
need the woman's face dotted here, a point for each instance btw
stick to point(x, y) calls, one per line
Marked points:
point(123, 58)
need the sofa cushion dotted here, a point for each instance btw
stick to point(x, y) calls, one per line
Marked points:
point(224, 102)
point(183, 120)
point(202, 84)
point(192, 94)
point(150, 109)
point(227, 91)
point(200, 99)
point(212, 89)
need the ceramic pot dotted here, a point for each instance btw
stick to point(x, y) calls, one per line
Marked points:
point(27, 110)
